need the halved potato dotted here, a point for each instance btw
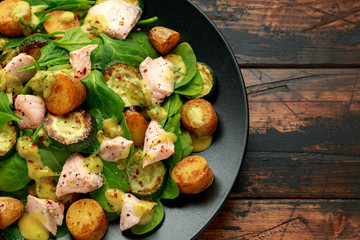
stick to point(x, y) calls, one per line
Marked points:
point(86, 220)
point(60, 21)
point(11, 210)
point(192, 174)
point(66, 94)
point(8, 26)
point(199, 117)
point(137, 126)
point(163, 39)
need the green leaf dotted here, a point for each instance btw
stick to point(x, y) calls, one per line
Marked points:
point(54, 158)
point(13, 174)
point(12, 232)
point(96, 55)
point(6, 114)
point(73, 39)
point(113, 178)
point(192, 88)
point(144, 42)
point(188, 56)
point(101, 97)
point(186, 144)
point(155, 221)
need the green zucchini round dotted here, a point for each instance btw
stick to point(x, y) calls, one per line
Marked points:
point(209, 79)
point(8, 135)
point(32, 46)
point(73, 131)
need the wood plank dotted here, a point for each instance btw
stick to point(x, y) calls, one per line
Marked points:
point(286, 219)
point(289, 32)
point(298, 175)
point(304, 110)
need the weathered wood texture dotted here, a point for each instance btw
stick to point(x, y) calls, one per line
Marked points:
point(286, 219)
point(289, 32)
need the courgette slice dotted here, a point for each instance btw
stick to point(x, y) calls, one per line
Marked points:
point(73, 131)
point(8, 135)
point(126, 81)
point(32, 46)
point(145, 182)
point(209, 80)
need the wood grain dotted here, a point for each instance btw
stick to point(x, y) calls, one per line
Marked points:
point(289, 32)
point(286, 219)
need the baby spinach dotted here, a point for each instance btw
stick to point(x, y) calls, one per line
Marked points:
point(192, 88)
point(186, 144)
point(15, 42)
point(12, 232)
point(6, 114)
point(73, 39)
point(143, 41)
point(13, 174)
point(188, 56)
point(172, 105)
point(53, 158)
point(96, 55)
point(156, 220)
point(101, 97)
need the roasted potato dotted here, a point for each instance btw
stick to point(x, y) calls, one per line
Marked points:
point(192, 174)
point(137, 126)
point(86, 220)
point(8, 26)
point(66, 94)
point(60, 21)
point(199, 117)
point(11, 210)
point(163, 39)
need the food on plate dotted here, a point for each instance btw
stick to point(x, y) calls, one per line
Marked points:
point(199, 117)
point(8, 26)
point(164, 39)
point(11, 210)
point(99, 111)
point(86, 220)
point(66, 94)
point(60, 21)
point(192, 174)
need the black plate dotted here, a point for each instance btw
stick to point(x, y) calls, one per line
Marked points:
point(187, 216)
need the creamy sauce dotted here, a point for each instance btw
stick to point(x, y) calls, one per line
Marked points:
point(164, 137)
point(157, 113)
point(9, 83)
point(44, 186)
point(31, 227)
point(178, 68)
point(67, 17)
point(195, 116)
point(94, 24)
point(111, 129)
point(201, 143)
point(115, 197)
point(93, 164)
point(143, 209)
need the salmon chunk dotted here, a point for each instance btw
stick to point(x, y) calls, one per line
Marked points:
point(20, 61)
point(115, 149)
point(52, 211)
point(120, 17)
point(31, 109)
point(80, 61)
point(128, 216)
point(76, 178)
point(154, 148)
point(157, 72)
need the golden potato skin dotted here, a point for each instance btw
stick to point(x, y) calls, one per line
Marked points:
point(86, 220)
point(8, 26)
point(137, 126)
point(55, 25)
point(163, 39)
point(11, 210)
point(210, 120)
point(192, 175)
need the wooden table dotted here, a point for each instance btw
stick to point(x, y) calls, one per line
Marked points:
point(300, 178)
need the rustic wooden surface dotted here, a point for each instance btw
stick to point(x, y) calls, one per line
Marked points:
point(300, 60)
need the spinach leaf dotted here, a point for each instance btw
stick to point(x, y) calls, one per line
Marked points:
point(15, 42)
point(156, 220)
point(101, 97)
point(144, 43)
point(126, 51)
point(53, 158)
point(172, 105)
point(13, 174)
point(188, 56)
point(192, 88)
point(96, 55)
point(6, 114)
point(186, 144)
point(12, 232)
point(49, 3)
point(113, 178)
point(73, 39)
point(61, 230)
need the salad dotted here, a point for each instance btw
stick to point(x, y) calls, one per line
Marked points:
point(98, 118)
